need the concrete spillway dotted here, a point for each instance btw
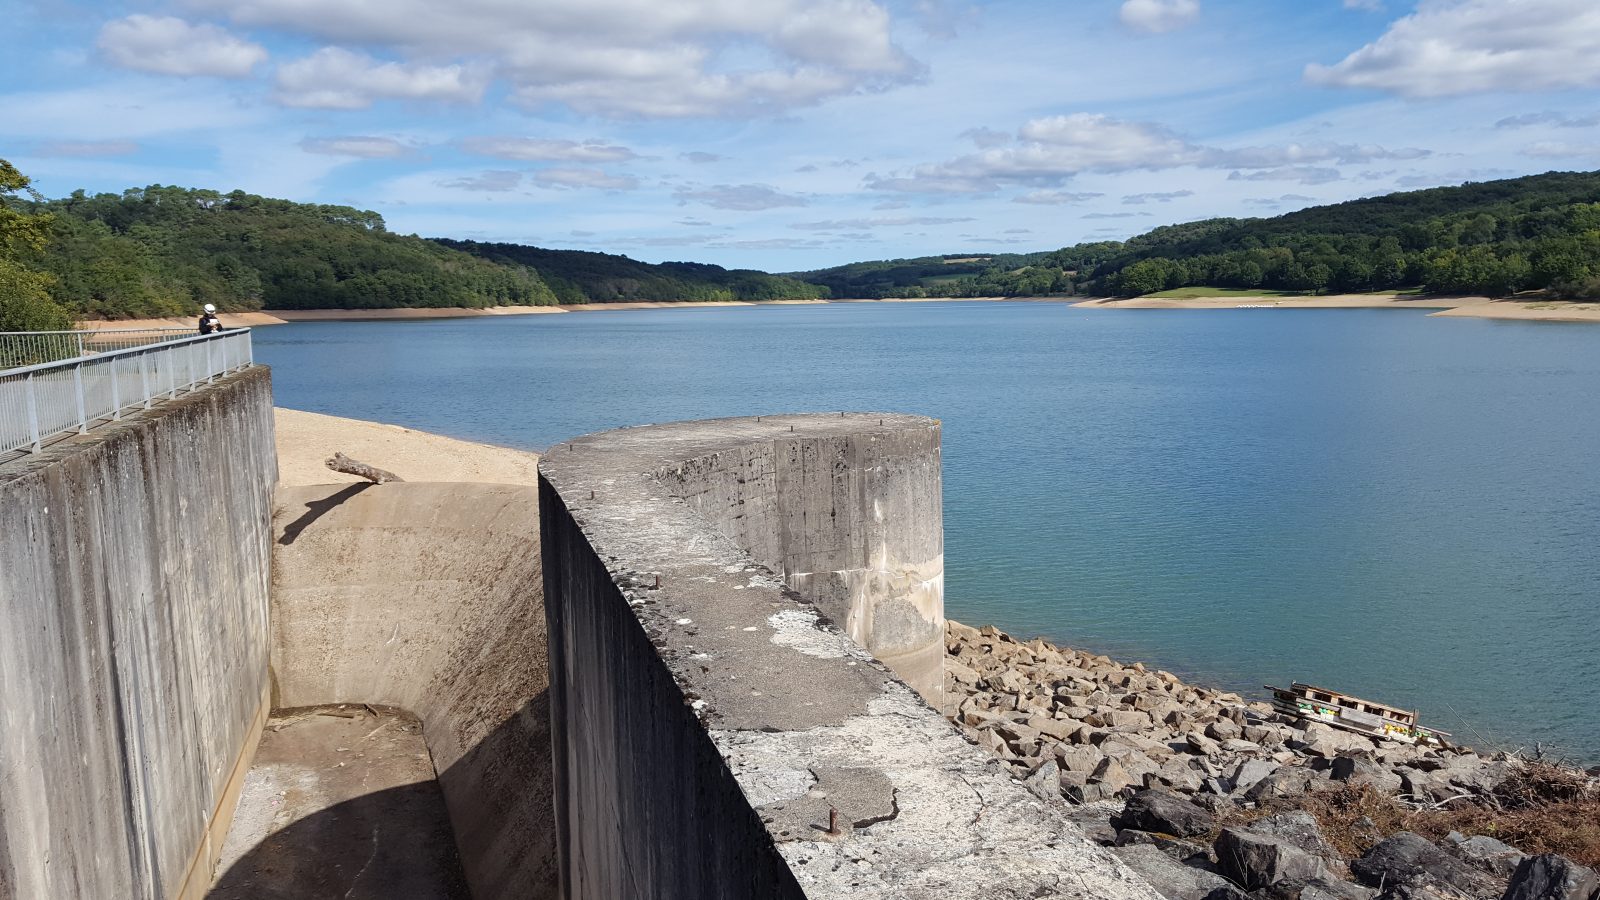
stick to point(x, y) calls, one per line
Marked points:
point(681, 703)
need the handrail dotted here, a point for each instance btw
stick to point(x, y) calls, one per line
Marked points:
point(19, 348)
point(41, 401)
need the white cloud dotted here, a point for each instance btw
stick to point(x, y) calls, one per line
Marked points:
point(1368, 5)
point(1471, 46)
point(335, 78)
point(880, 222)
point(743, 197)
point(1561, 150)
point(1157, 16)
point(1054, 198)
point(584, 178)
point(1301, 174)
point(1051, 150)
point(619, 57)
point(546, 150)
point(493, 181)
point(170, 46)
point(1553, 119)
point(357, 145)
point(700, 157)
point(1158, 197)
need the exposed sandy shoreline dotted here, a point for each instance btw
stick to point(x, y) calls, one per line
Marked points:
point(305, 439)
point(1330, 301)
point(1459, 307)
point(1456, 307)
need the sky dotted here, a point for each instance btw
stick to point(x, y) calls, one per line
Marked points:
point(790, 135)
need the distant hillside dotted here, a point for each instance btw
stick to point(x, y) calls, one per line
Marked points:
point(160, 251)
point(952, 275)
point(1496, 237)
point(578, 276)
point(165, 250)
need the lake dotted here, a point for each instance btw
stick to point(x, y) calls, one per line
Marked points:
point(1400, 507)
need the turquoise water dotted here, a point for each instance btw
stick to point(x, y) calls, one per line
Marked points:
point(1401, 507)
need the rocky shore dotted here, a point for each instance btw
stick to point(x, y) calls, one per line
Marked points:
point(1210, 795)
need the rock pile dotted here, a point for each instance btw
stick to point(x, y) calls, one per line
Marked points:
point(1096, 732)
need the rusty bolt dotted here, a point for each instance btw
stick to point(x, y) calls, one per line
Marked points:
point(658, 582)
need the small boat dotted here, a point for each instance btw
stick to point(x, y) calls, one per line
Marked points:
point(1364, 717)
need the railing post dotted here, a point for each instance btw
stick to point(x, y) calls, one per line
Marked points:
point(33, 413)
point(81, 348)
point(116, 389)
point(211, 371)
point(144, 380)
point(77, 389)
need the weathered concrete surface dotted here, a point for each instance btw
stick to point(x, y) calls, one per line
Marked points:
point(705, 726)
point(853, 523)
point(428, 597)
point(133, 655)
point(341, 804)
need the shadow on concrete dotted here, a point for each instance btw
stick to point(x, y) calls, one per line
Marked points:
point(501, 800)
point(487, 822)
point(393, 844)
point(317, 509)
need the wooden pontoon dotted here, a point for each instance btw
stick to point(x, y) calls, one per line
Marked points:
point(1365, 717)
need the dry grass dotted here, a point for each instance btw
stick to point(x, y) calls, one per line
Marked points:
point(1541, 808)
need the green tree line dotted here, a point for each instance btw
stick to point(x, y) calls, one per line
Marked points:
point(1541, 232)
point(165, 251)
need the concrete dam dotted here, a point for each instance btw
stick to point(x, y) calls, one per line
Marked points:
point(697, 660)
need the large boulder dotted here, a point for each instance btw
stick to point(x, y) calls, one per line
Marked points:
point(1250, 772)
point(1359, 768)
point(1258, 860)
point(1160, 812)
point(1170, 878)
point(1488, 854)
point(1552, 877)
point(1405, 858)
point(1300, 829)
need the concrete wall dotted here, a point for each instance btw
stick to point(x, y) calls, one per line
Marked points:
point(715, 736)
point(133, 652)
point(853, 522)
point(429, 597)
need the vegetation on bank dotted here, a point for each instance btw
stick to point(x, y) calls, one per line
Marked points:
point(163, 251)
point(25, 303)
point(953, 275)
point(577, 276)
point(159, 251)
point(1541, 232)
point(1493, 238)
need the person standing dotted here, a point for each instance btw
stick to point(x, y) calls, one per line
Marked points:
point(209, 323)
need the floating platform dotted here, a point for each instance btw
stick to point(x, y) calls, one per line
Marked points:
point(1364, 717)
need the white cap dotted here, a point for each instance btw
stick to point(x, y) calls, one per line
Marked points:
point(210, 308)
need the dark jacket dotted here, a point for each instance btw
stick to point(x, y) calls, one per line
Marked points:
point(209, 323)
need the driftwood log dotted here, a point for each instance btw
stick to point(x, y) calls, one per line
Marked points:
point(342, 463)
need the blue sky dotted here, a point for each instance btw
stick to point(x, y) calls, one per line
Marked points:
point(795, 134)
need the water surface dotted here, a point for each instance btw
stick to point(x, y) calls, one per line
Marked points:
point(1400, 507)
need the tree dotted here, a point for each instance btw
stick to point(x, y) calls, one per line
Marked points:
point(25, 303)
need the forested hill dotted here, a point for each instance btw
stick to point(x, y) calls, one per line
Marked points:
point(578, 276)
point(1496, 237)
point(159, 250)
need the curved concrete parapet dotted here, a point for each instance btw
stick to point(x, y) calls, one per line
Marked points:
point(715, 735)
point(428, 597)
point(851, 520)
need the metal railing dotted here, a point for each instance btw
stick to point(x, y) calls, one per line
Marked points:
point(70, 396)
point(30, 348)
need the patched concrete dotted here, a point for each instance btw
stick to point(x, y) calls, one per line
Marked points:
point(692, 681)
